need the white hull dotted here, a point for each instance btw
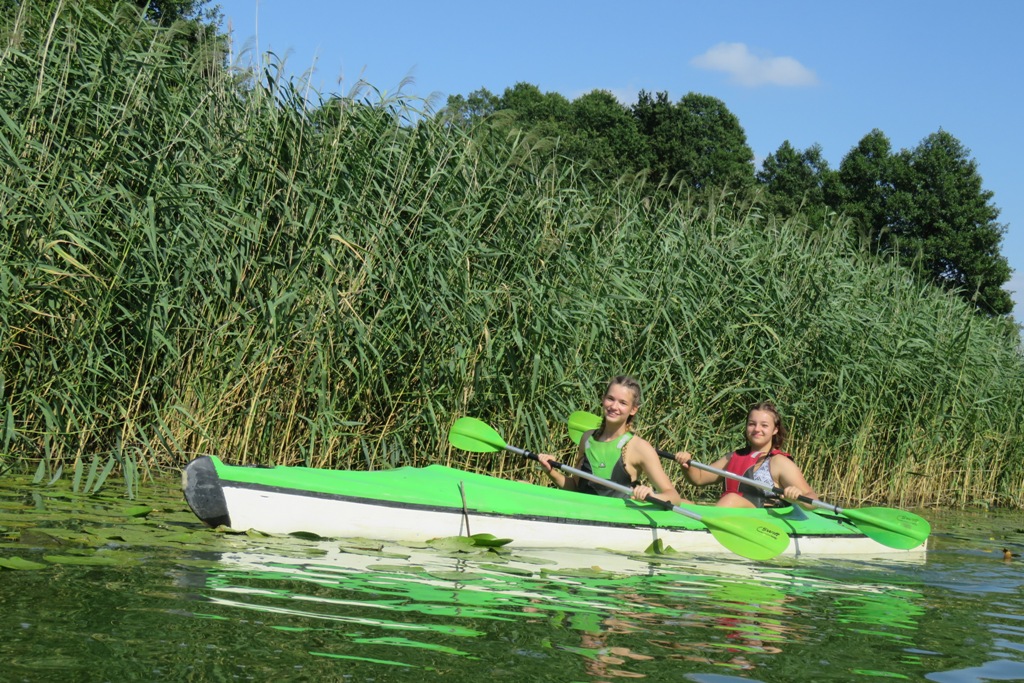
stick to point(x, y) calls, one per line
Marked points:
point(282, 513)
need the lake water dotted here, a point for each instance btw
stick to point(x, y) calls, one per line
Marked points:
point(103, 589)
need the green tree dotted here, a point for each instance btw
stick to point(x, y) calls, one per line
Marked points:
point(476, 107)
point(952, 221)
point(928, 207)
point(605, 136)
point(796, 181)
point(661, 123)
point(717, 151)
point(698, 140)
point(523, 107)
point(866, 184)
point(530, 106)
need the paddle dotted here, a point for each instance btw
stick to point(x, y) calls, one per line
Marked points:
point(757, 541)
point(893, 528)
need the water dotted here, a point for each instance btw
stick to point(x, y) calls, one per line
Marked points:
point(121, 593)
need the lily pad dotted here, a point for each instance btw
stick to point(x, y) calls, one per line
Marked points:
point(581, 572)
point(658, 547)
point(535, 560)
point(256, 533)
point(489, 540)
point(453, 544)
point(40, 538)
point(19, 563)
point(362, 544)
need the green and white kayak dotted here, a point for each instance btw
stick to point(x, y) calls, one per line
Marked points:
point(417, 504)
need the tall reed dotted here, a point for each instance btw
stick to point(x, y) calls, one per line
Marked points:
point(214, 260)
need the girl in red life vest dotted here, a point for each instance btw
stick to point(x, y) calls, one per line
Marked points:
point(762, 460)
point(613, 452)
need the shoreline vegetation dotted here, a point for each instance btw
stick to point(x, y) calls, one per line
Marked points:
point(203, 259)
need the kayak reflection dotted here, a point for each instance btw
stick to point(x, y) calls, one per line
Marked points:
point(601, 614)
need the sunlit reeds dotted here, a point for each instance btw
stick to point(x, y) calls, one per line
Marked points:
point(205, 260)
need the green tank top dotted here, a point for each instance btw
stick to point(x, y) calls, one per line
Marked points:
point(604, 459)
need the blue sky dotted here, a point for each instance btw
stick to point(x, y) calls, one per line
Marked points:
point(807, 71)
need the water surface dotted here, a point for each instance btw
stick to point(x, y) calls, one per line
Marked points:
point(105, 589)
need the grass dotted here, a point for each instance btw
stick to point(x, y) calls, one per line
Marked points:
point(215, 260)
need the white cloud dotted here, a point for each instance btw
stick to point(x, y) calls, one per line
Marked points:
point(751, 70)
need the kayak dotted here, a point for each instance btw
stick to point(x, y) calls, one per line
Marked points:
point(417, 504)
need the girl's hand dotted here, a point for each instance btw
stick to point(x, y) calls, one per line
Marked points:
point(792, 493)
point(641, 492)
point(545, 461)
point(683, 458)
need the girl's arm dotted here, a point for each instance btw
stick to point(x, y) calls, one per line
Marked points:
point(789, 478)
point(696, 476)
point(645, 459)
point(569, 483)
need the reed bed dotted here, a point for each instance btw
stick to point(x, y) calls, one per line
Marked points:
point(200, 259)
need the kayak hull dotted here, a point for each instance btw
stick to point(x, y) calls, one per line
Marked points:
point(418, 504)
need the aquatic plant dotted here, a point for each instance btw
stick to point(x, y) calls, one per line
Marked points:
point(211, 258)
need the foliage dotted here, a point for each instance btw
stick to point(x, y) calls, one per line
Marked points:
point(951, 222)
point(928, 207)
point(697, 140)
point(796, 182)
point(166, 12)
point(202, 260)
point(696, 144)
point(605, 136)
point(477, 106)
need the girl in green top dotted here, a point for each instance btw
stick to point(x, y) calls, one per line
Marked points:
point(613, 452)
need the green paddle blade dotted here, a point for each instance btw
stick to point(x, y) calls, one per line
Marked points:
point(894, 528)
point(581, 421)
point(750, 538)
point(475, 436)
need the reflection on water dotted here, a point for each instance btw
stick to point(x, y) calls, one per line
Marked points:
point(617, 616)
point(123, 594)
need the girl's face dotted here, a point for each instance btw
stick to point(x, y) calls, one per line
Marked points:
point(761, 428)
point(619, 404)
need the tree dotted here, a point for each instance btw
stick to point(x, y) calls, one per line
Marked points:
point(658, 121)
point(533, 110)
point(928, 207)
point(479, 105)
point(866, 185)
point(605, 136)
point(953, 221)
point(717, 151)
point(796, 181)
point(698, 140)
